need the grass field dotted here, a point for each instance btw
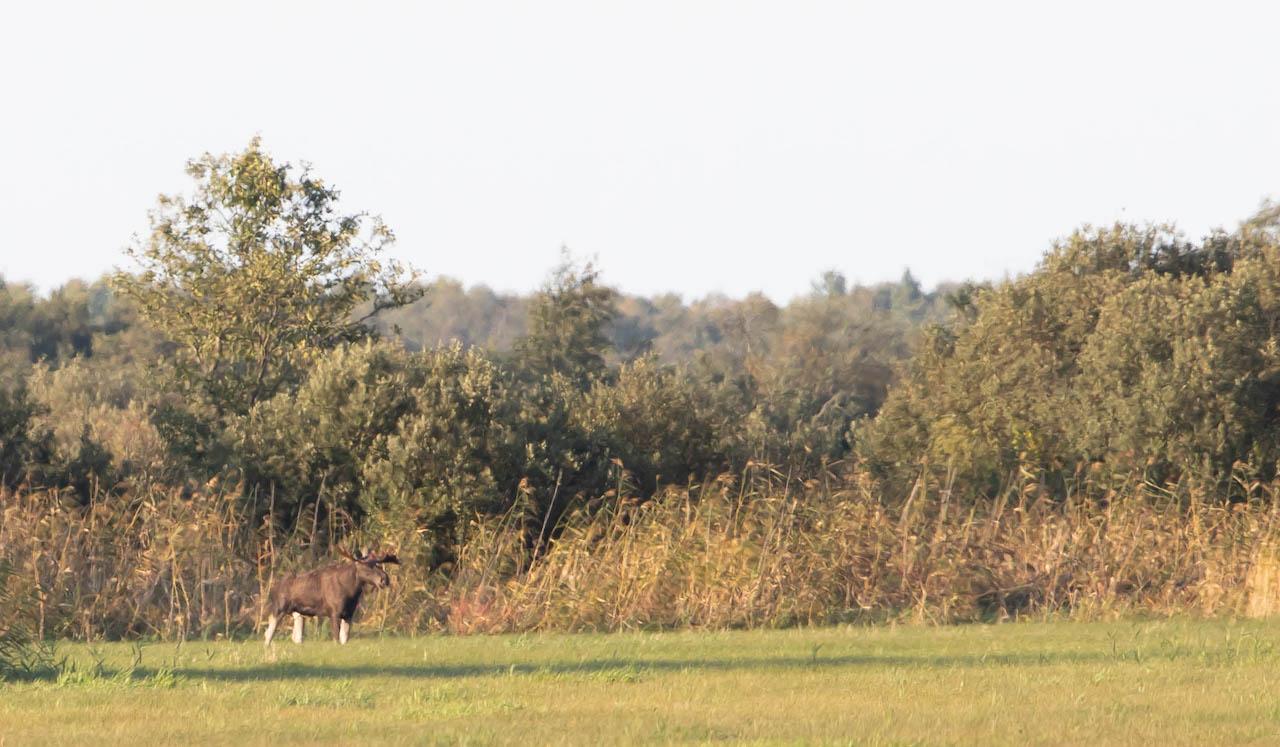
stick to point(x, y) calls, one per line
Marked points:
point(1178, 682)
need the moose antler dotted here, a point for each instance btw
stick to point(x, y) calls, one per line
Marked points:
point(344, 552)
point(377, 558)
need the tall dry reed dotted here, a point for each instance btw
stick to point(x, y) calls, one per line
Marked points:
point(166, 563)
point(740, 551)
point(744, 553)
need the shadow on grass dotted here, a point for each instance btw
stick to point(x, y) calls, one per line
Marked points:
point(294, 670)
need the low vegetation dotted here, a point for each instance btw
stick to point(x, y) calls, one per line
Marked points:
point(24, 654)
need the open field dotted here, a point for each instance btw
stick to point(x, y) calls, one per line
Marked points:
point(1178, 682)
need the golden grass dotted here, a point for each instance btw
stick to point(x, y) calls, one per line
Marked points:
point(727, 561)
point(738, 552)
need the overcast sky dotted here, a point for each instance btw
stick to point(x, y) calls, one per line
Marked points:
point(690, 146)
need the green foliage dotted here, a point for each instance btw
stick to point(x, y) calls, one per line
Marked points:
point(75, 320)
point(1185, 371)
point(829, 366)
point(311, 444)
point(24, 449)
point(1128, 348)
point(448, 459)
point(96, 410)
point(425, 441)
point(654, 420)
point(568, 321)
point(254, 273)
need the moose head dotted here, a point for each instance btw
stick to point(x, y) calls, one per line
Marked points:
point(369, 569)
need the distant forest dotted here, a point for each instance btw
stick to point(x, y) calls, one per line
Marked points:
point(675, 330)
point(82, 317)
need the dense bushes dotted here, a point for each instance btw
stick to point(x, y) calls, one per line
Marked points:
point(312, 443)
point(449, 457)
point(415, 444)
point(1128, 349)
point(23, 447)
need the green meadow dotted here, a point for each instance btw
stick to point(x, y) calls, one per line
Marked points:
point(1158, 682)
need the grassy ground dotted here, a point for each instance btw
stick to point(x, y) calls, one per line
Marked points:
point(1180, 682)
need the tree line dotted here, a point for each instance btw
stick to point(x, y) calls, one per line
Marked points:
point(261, 337)
point(261, 381)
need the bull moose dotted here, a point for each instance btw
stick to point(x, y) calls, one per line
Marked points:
point(333, 592)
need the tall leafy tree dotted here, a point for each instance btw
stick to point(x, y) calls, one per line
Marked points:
point(255, 271)
point(568, 324)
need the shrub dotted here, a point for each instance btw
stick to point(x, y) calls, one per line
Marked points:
point(309, 446)
point(1127, 349)
point(25, 450)
point(448, 458)
point(653, 420)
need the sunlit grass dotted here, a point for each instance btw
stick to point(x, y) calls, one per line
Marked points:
point(1170, 682)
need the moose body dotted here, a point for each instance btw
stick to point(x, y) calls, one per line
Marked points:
point(333, 592)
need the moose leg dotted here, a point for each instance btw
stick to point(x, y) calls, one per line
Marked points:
point(297, 628)
point(271, 628)
point(335, 626)
point(344, 630)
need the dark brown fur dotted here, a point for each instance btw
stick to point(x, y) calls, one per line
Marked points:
point(333, 592)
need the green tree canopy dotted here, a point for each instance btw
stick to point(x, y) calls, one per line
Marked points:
point(256, 270)
point(1128, 349)
point(568, 324)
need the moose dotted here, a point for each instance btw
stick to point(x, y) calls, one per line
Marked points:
point(333, 592)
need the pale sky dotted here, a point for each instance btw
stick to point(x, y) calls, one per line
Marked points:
point(689, 146)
